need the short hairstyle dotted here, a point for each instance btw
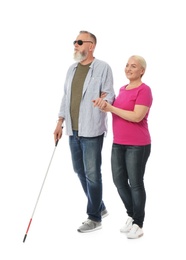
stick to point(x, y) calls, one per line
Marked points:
point(92, 36)
point(141, 61)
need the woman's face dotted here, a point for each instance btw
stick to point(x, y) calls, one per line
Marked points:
point(133, 69)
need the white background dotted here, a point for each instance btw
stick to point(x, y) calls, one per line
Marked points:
point(35, 52)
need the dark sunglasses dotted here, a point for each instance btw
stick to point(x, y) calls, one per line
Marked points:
point(80, 42)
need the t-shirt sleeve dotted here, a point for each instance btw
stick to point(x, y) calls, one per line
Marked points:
point(144, 97)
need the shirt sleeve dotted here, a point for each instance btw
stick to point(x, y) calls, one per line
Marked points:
point(144, 97)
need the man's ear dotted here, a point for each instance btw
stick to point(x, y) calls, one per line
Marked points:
point(92, 47)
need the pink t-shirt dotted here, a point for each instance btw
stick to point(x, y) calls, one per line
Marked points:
point(129, 133)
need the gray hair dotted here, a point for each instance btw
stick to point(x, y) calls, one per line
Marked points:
point(92, 36)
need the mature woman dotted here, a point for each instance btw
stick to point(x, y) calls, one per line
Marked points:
point(131, 143)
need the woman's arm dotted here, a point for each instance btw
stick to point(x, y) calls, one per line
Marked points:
point(136, 115)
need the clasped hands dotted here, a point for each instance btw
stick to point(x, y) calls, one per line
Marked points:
point(100, 103)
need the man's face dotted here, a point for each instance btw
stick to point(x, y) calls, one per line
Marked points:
point(82, 47)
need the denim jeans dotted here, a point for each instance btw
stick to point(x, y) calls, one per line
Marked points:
point(128, 167)
point(87, 160)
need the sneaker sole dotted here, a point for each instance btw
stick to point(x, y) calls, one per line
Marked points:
point(90, 230)
point(135, 237)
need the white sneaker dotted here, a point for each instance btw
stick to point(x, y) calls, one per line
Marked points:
point(135, 232)
point(128, 226)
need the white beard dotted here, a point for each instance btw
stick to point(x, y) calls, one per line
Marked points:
point(80, 56)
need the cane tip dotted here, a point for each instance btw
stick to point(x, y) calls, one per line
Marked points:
point(24, 238)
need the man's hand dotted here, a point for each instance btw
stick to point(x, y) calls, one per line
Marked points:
point(99, 102)
point(58, 132)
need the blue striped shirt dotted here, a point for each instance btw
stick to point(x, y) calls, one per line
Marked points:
point(92, 122)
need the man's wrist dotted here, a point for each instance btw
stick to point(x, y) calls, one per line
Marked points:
point(60, 120)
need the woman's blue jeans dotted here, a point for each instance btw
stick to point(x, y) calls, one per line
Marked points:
point(128, 167)
point(87, 160)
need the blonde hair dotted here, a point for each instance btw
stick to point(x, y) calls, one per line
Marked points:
point(141, 61)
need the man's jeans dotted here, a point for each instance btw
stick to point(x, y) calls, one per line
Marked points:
point(128, 168)
point(87, 160)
